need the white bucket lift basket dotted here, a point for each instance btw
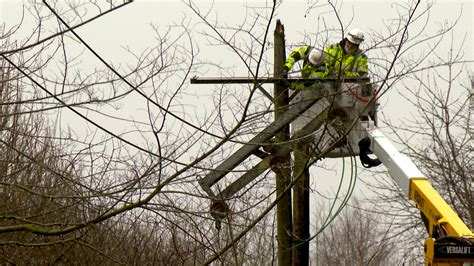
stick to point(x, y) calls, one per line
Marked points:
point(348, 101)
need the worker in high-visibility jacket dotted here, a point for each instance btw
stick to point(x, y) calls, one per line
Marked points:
point(340, 60)
point(343, 59)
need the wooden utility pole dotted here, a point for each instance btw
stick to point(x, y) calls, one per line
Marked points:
point(301, 203)
point(281, 164)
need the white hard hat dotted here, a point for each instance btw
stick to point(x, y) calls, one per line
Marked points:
point(355, 36)
point(316, 56)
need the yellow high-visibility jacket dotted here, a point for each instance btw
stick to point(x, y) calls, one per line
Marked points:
point(309, 70)
point(336, 62)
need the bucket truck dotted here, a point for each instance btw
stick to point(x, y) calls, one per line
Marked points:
point(449, 241)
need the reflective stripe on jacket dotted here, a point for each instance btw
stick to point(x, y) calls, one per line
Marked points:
point(350, 65)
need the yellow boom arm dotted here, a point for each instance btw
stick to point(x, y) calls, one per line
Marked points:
point(450, 241)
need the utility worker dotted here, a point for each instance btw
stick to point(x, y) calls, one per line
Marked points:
point(313, 62)
point(341, 59)
point(345, 58)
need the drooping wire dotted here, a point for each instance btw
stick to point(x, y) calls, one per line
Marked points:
point(331, 217)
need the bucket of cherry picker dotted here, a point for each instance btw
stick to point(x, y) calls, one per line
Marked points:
point(348, 102)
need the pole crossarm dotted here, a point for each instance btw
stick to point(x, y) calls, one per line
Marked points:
point(261, 80)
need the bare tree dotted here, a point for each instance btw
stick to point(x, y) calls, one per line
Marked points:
point(355, 238)
point(94, 183)
point(119, 184)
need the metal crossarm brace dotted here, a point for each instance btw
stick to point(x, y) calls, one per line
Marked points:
point(248, 149)
point(266, 162)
